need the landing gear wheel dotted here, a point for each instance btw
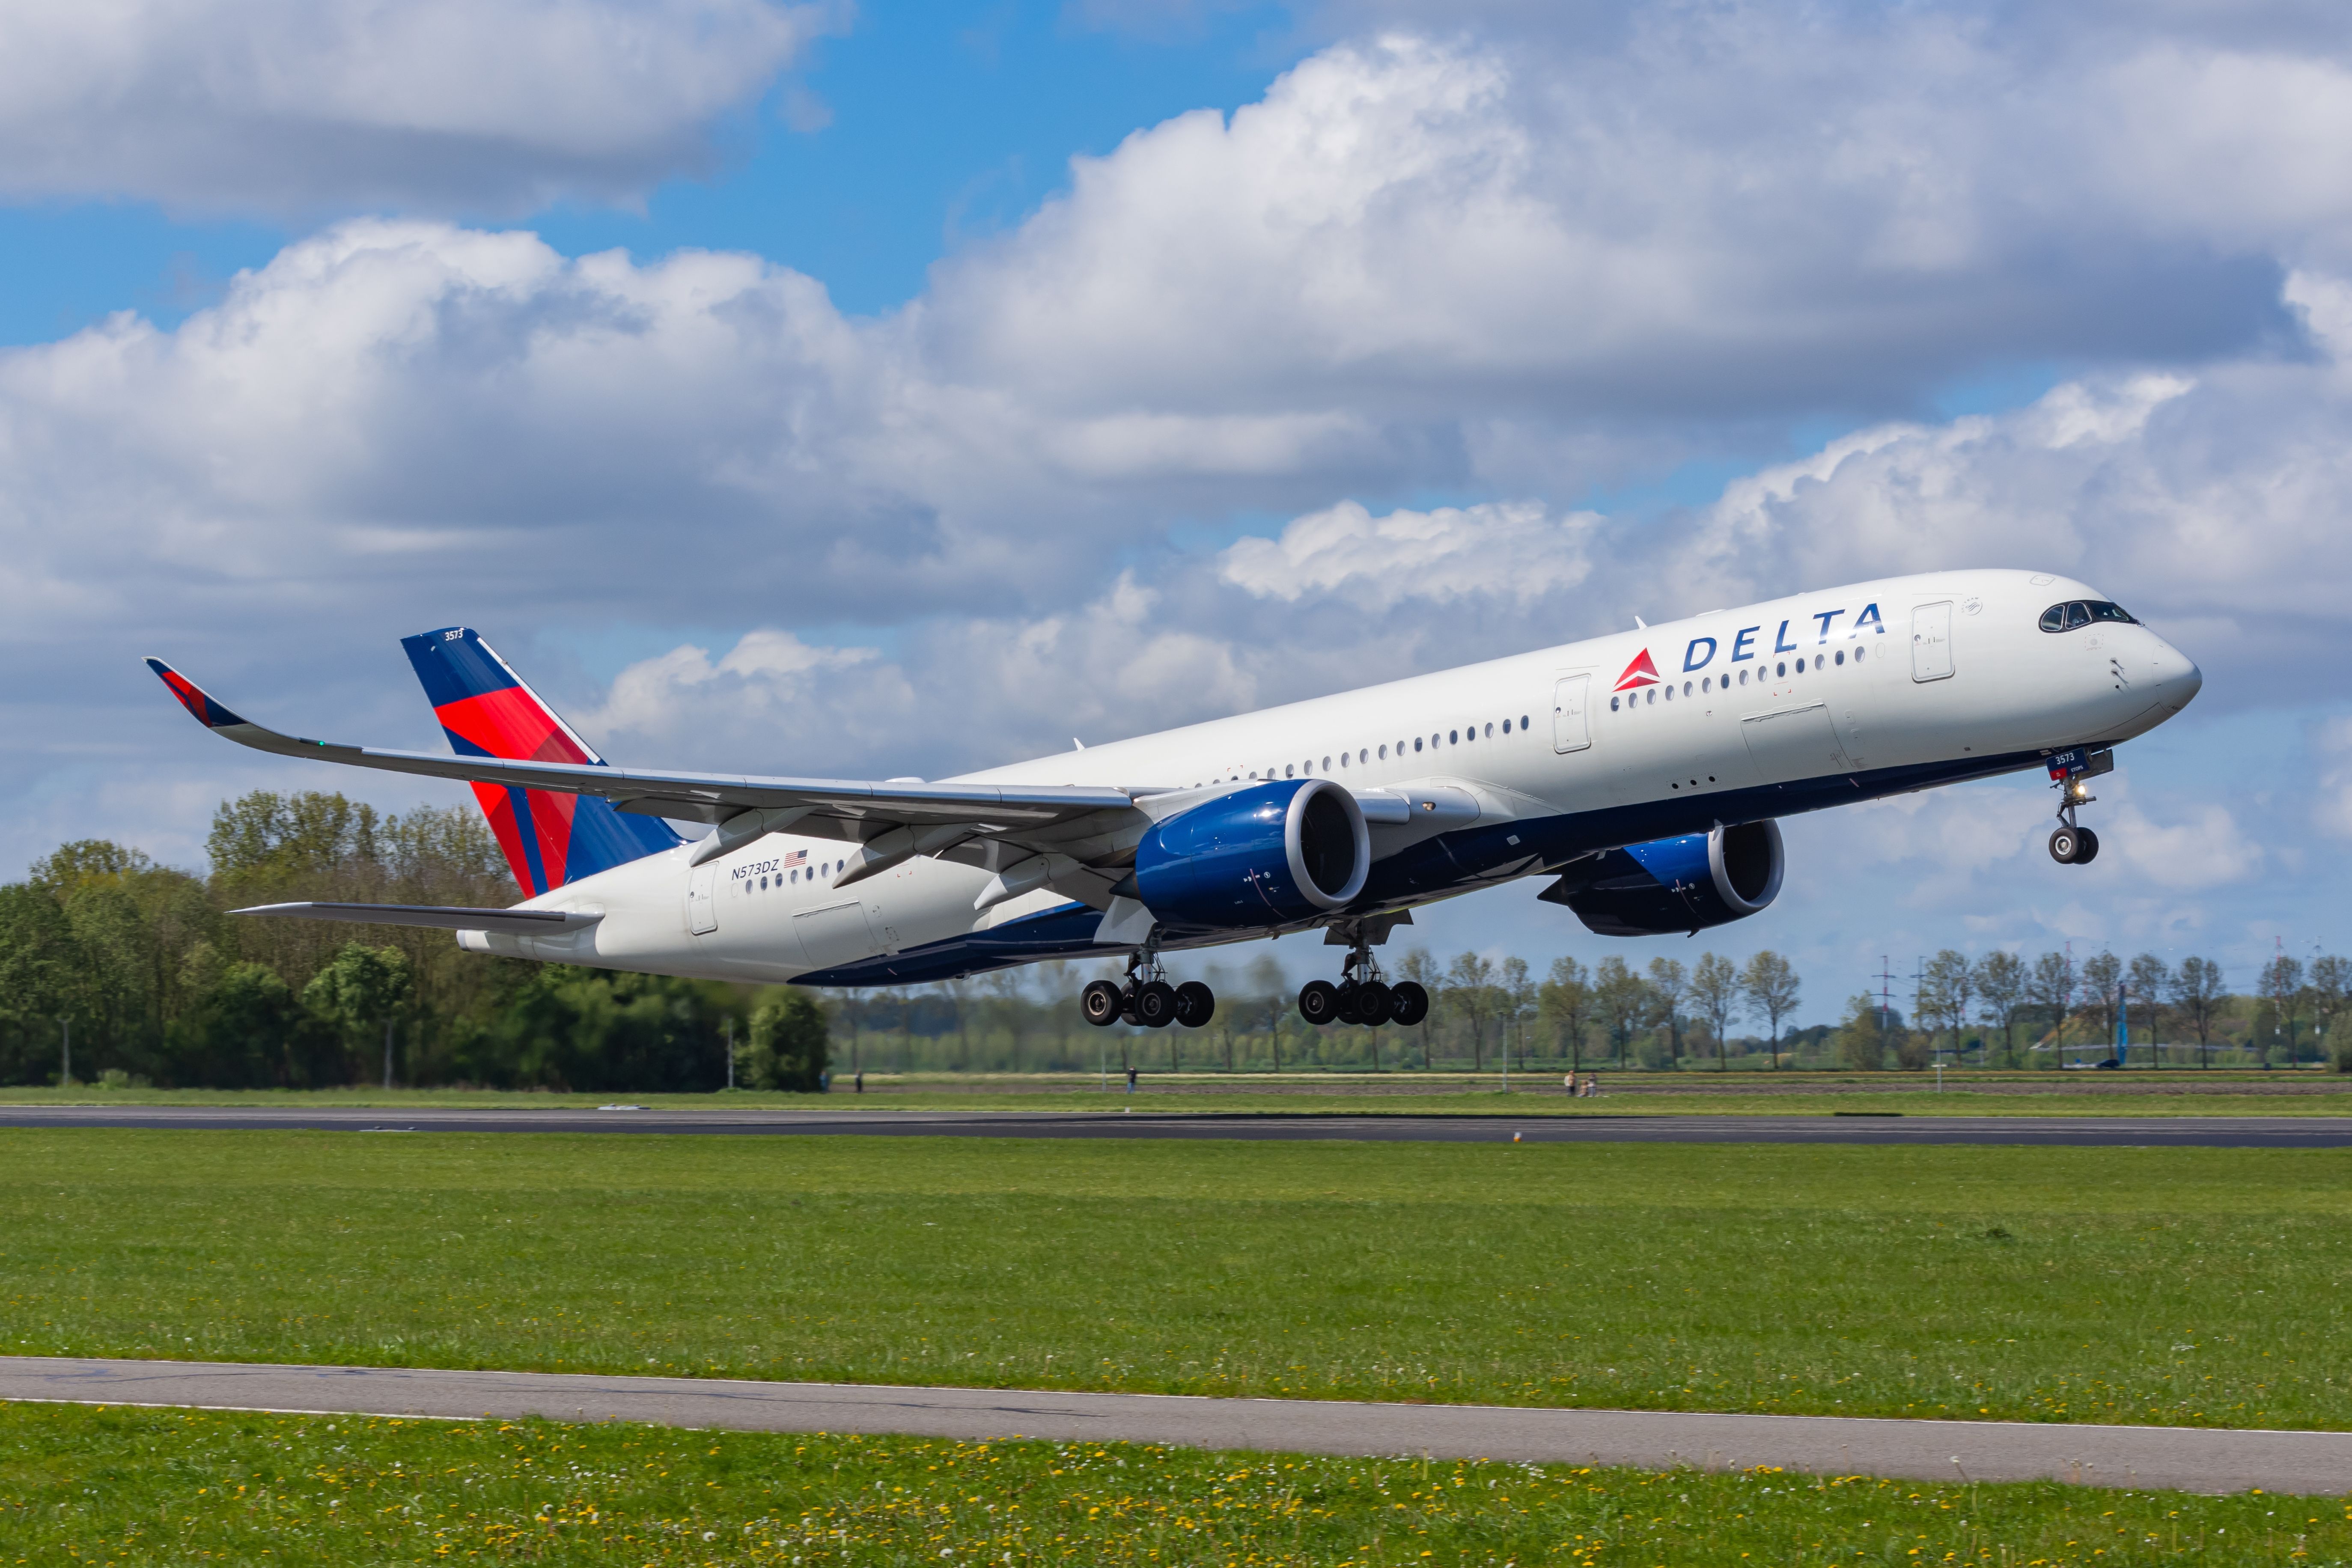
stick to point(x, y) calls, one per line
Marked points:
point(1374, 1004)
point(1102, 1003)
point(1318, 1002)
point(2090, 850)
point(1411, 1003)
point(2066, 846)
point(1155, 1004)
point(1346, 1014)
point(1195, 1005)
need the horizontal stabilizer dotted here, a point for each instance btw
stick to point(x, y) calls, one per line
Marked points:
point(441, 917)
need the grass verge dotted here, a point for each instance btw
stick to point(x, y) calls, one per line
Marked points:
point(150, 1486)
point(1972, 1093)
point(2187, 1287)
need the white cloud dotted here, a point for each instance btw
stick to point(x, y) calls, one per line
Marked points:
point(280, 105)
point(1506, 550)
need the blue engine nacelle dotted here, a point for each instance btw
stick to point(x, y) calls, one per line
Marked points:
point(1683, 884)
point(1288, 850)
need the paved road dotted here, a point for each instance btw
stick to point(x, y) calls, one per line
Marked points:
point(2187, 1459)
point(2159, 1131)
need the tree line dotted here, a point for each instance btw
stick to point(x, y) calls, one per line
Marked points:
point(116, 969)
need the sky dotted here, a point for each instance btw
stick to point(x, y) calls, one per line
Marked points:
point(875, 389)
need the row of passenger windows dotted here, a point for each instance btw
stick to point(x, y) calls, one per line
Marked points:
point(814, 871)
point(1365, 755)
point(1708, 682)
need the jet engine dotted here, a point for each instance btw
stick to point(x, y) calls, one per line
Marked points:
point(1284, 850)
point(1669, 884)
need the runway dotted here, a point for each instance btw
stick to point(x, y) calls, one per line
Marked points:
point(1480, 1126)
point(2187, 1459)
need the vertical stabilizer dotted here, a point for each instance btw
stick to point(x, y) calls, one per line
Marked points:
point(486, 711)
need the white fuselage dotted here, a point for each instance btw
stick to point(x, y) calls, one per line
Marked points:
point(1920, 680)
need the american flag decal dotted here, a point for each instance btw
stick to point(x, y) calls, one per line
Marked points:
point(797, 858)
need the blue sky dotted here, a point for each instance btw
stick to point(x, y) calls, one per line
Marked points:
point(895, 442)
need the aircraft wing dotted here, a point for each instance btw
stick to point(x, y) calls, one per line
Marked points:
point(441, 917)
point(857, 810)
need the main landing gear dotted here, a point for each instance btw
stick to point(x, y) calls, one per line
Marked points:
point(1362, 996)
point(1147, 999)
point(2072, 844)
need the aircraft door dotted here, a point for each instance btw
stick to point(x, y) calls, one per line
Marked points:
point(701, 899)
point(1931, 642)
point(1571, 729)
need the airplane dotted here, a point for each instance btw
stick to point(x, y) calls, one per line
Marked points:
point(1643, 771)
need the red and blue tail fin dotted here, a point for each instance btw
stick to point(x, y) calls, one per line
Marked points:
point(487, 711)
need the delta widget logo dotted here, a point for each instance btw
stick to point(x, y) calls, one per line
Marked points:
point(1641, 672)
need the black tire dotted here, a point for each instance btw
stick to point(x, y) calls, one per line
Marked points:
point(1195, 1005)
point(1375, 1003)
point(1102, 1003)
point(2065, 846)
point(1318, 1002)
point(1155, 1004)
point(2090, 850)
point(1411, 1003)
point(1346, 1014)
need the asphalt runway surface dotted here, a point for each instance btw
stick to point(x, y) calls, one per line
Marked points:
point(1483, 1127)
point(2187, 1459)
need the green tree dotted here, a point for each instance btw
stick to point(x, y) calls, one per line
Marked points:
point(2196, 996)
point(1564, 1005)
point(1470, 996)
point(1623, 999)
point(1669, 983)
point(1946, 986)
point(2051, 987)
point(1770, 984)
point(2150, 982)
point(1861, 1038)
point(2331, 988)
point(40, 981)
point(1517, 993)
point(1715, 991)
point(2103, 974)
point(2000, 990)
point(2281, 986)
point(361, 992)
point(788, 1044)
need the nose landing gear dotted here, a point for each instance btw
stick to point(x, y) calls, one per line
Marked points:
point(1147, 999)
point(2072, 844)
point(1362, 996)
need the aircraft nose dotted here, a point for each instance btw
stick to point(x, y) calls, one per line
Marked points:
point(2178, 679)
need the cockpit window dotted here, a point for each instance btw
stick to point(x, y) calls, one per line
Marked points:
point(2082, 613)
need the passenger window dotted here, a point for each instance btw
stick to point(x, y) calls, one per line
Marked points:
point(1857, 655)
point(1613, 705)
point(1841, 657)
point(1782, 669)
point(1506, 726)
point(1743, 677)
point(1453, 737)
point(1654, 697)
point(1327, 764)
point(1490, 731)
point(1523, 721)
point(1416, 743)
point(1365, 755)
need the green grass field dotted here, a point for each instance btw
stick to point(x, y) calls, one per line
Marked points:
point(2195, 1287)
point(140, 1486)
point(1970, 1093)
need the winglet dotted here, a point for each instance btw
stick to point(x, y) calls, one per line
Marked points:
point(209, 713)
